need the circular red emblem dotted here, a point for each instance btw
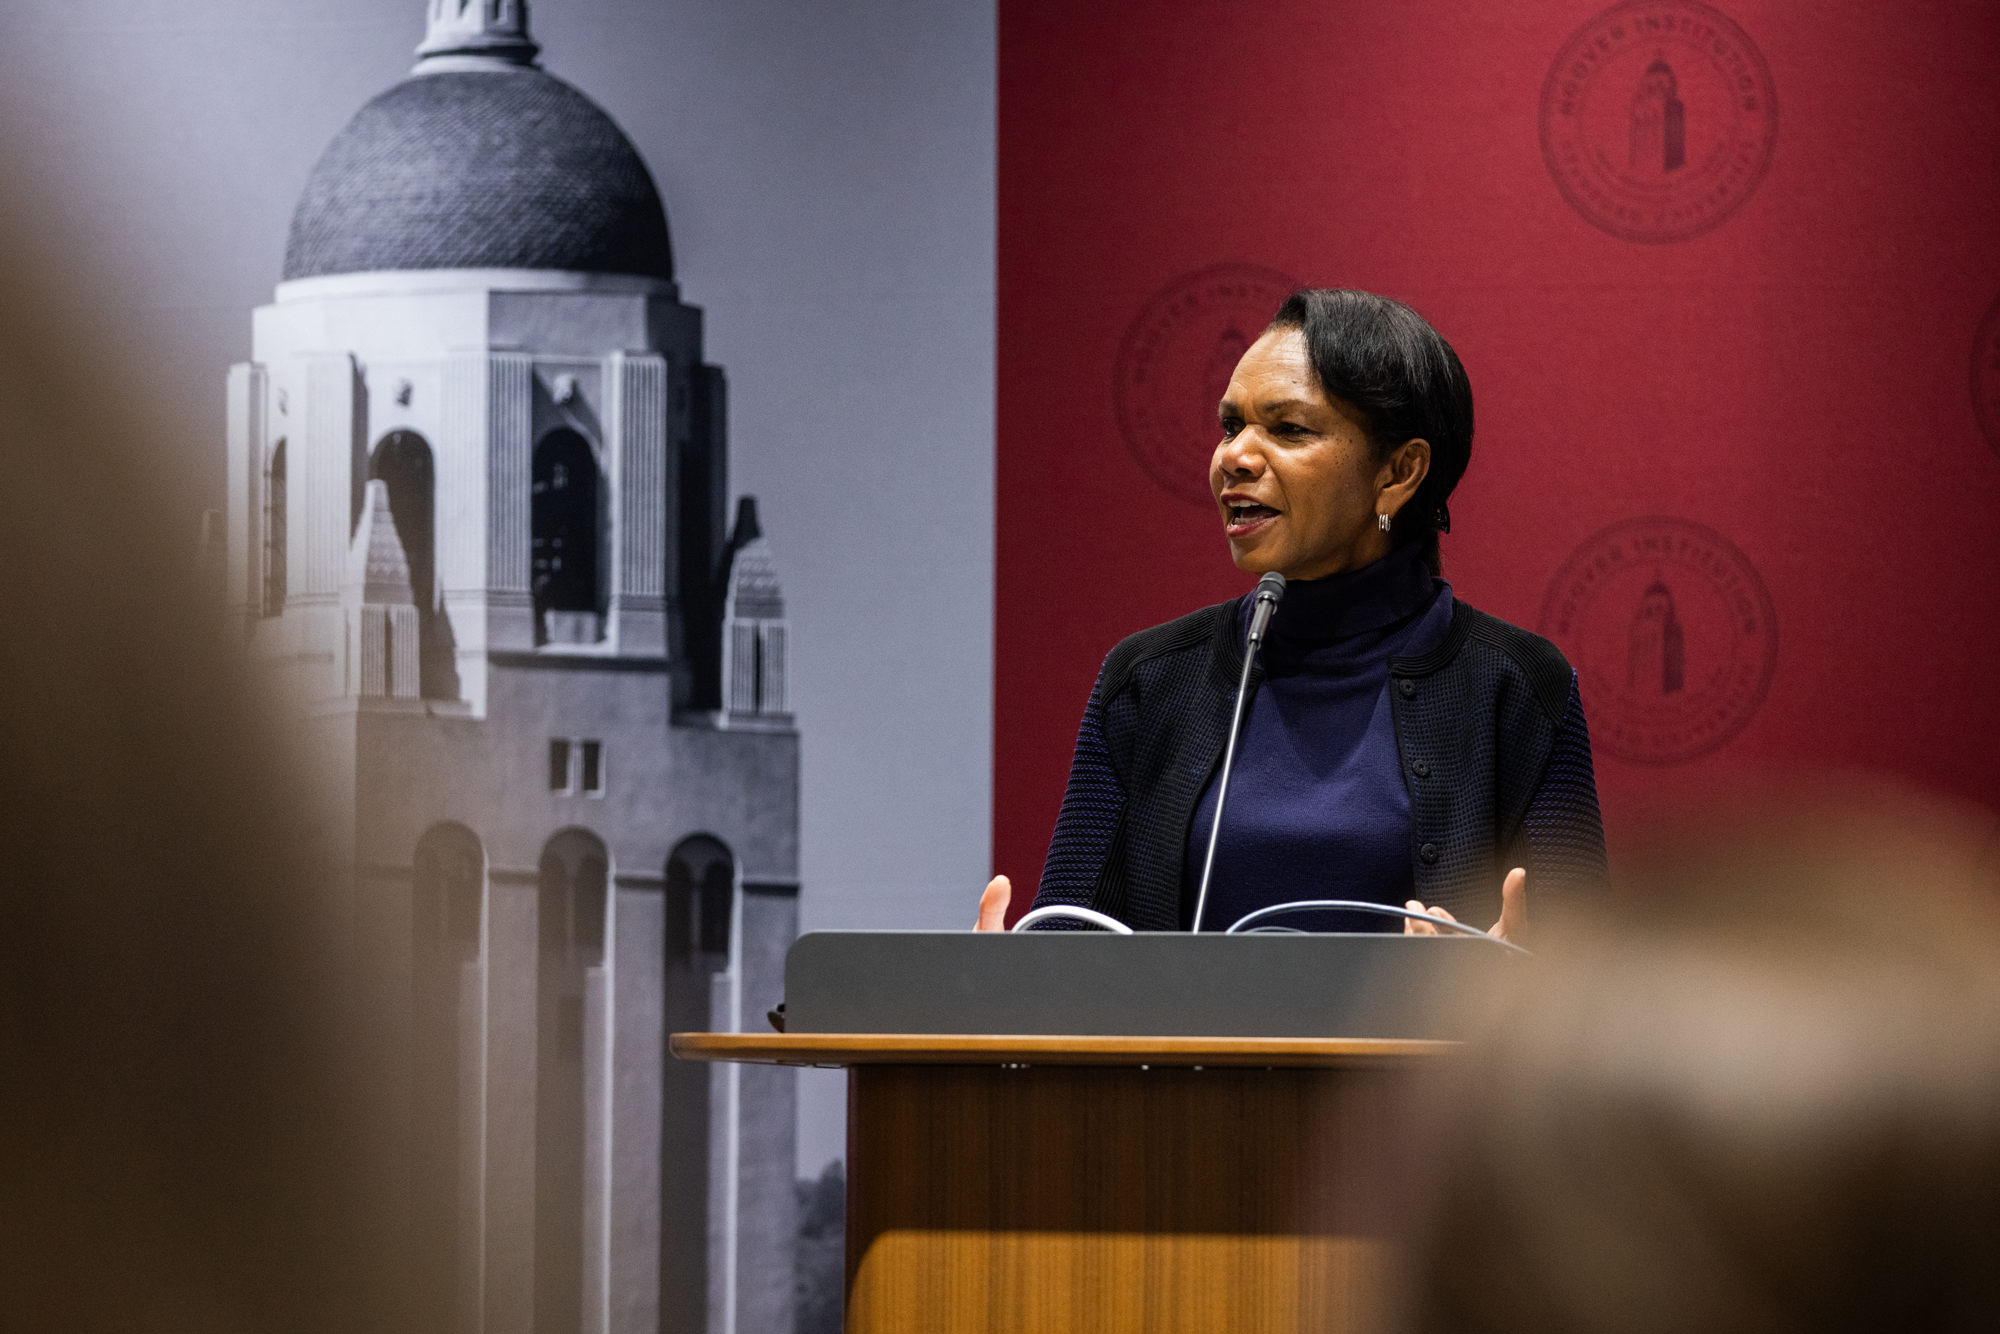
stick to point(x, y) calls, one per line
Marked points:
point(1658, 120)
point(1672, 635)
point(1986, 376)
point(1175, 363)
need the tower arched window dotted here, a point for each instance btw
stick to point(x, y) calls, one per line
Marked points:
point(700, 904)
point(701, 889)
point(447, 905)
point(574, 896)
point(402, 462)
point(563, 529)
point(274, 533)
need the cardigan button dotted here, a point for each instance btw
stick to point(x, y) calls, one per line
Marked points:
point(1408, 687)
point(1429, 853)
point(1421, 769)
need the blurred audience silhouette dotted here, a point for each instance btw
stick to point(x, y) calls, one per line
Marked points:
point(1760, 1092)
point(184, 1144)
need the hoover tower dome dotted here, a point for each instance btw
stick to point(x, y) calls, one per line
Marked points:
point(479, 160)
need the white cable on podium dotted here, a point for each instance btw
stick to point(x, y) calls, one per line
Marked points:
point(1089, 915)
point(1109, 923)
point(1358, 905)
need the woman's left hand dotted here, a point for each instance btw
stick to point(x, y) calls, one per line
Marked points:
point(1513, 910)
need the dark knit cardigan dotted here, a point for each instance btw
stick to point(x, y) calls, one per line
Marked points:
point(1493, 746)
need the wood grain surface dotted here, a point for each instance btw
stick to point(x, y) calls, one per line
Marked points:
point(1045, 1198)
point(854, 1049)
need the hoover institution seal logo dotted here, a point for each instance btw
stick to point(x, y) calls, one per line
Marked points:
point(1658, 120)
point(1175, 363)
point(1986, 375)
point(1672, 635)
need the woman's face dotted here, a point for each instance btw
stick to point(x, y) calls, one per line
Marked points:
point(1295, 479)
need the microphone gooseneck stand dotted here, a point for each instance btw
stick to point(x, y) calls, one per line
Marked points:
point(1270, 592)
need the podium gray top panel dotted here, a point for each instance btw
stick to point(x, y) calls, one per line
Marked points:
point(1163, 984)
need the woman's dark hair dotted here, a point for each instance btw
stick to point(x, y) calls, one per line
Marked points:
point(1383, 358)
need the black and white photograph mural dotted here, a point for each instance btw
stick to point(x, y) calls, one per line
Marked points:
point(476, 516)
point(594, 401)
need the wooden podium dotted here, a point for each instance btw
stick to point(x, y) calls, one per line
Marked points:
point(1002, 1185)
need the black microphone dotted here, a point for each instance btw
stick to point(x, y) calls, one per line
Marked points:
point(1270, 592)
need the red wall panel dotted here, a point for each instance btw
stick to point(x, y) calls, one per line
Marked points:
point(1774, 418)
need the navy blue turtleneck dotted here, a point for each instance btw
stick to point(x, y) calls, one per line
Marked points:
point(1317, 806)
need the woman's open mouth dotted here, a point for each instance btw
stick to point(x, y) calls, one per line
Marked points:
point(1245, 517)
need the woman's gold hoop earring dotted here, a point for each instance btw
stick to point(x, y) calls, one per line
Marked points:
point(1382, 521)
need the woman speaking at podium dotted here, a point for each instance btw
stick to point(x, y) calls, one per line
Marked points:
point(1401, 748)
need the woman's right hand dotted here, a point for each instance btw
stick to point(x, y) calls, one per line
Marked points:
point(1513, 910)
point(993, 903)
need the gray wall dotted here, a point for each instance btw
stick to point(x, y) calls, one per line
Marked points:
point(828, 173)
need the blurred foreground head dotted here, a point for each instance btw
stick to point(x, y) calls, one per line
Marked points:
point(1762, 1093)
point(177, 1128)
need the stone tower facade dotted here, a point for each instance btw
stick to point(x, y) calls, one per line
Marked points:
point(478, 531)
